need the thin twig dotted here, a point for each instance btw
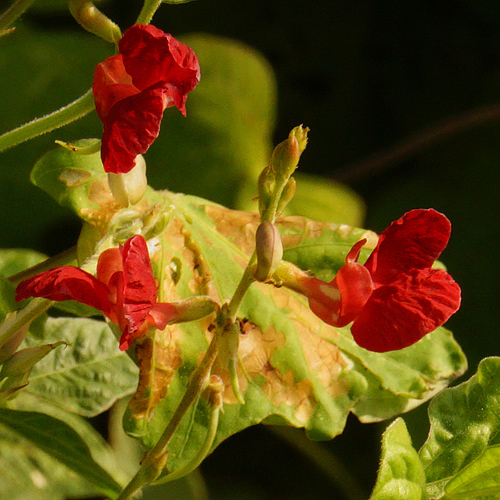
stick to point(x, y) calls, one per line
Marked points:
point(416, 142)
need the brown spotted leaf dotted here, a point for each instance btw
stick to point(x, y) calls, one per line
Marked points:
point(296, 370)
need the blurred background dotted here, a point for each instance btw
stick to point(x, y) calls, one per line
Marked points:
point(403, 102)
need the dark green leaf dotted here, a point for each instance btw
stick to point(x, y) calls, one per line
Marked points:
point(89, 374)
point(71, 441)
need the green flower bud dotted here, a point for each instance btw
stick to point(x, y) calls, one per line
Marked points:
point(93, 20)
point(269, 249)
point(194, 308)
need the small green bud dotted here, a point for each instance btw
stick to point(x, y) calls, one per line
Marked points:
point(287, 195)
point(286, 155)
point(21, 362)
point(269, 249)
point(128, 189)
point(93, 20)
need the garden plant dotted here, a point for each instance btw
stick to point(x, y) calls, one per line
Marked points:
point(186, 321)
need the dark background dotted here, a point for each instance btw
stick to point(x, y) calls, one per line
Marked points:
point(363, 75)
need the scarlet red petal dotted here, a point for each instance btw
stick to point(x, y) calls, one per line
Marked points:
point(400, 314)
point(414, 241)
point(111, 84)
point(151, 56)
point(66, 283)
point(140, 287)
point(340, 301)
point(130, 128)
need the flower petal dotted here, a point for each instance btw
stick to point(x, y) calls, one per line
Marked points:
point(66, 283)
point(140, 291)
point(151, 56)
point(130, 128)
point(111, 84)
point(400, 314)
point(414, 241)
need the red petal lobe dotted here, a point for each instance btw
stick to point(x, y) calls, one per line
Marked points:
point(400, 314)
point(414, 241)
point(66, 283)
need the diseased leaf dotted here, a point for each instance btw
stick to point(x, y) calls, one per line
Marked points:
point(401, 475)
point(301, 372)
point(295, 369)
point(460, 456)
point(89, 374)
point(68, 439)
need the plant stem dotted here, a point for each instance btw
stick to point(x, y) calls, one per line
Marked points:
point(67, 114)
point(324, 460)
point(61, 259)
point(198, 381)
point(242, 288)
point(15, 11)
point(148, 11)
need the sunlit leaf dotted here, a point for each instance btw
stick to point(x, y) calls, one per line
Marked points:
point(301, 371)
point(401, 475)
point(460, 456)
point(297, 370)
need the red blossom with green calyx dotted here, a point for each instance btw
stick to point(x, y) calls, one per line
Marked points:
point(124, 289)
point(395, 298)
point(131, 90)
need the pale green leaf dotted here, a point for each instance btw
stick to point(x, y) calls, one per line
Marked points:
point(89, 374)
point(401, 475)
point(465, 426)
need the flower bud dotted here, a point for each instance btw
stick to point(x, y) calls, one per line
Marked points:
point(269, 249)
point(93, 20)
point(194, 308)
point(287, 195)
point(286, 155)
point(128, 189)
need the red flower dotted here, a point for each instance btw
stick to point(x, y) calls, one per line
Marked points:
point(132, 89)
point(396, 297)
point(124, 289)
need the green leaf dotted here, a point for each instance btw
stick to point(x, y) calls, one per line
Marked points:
point(401, 475)
point(460, 456)
point(225, 139)
point(70, 440)
point(301, 371)
point(30, 474)
point(89, 374)
point(480, 479)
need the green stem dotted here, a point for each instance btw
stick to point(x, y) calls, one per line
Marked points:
point(61, 259)
point(198, 381)
point(246, 280)
point(205, 447)
point(67, 114)
point(148, 11)
point(15, 11)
